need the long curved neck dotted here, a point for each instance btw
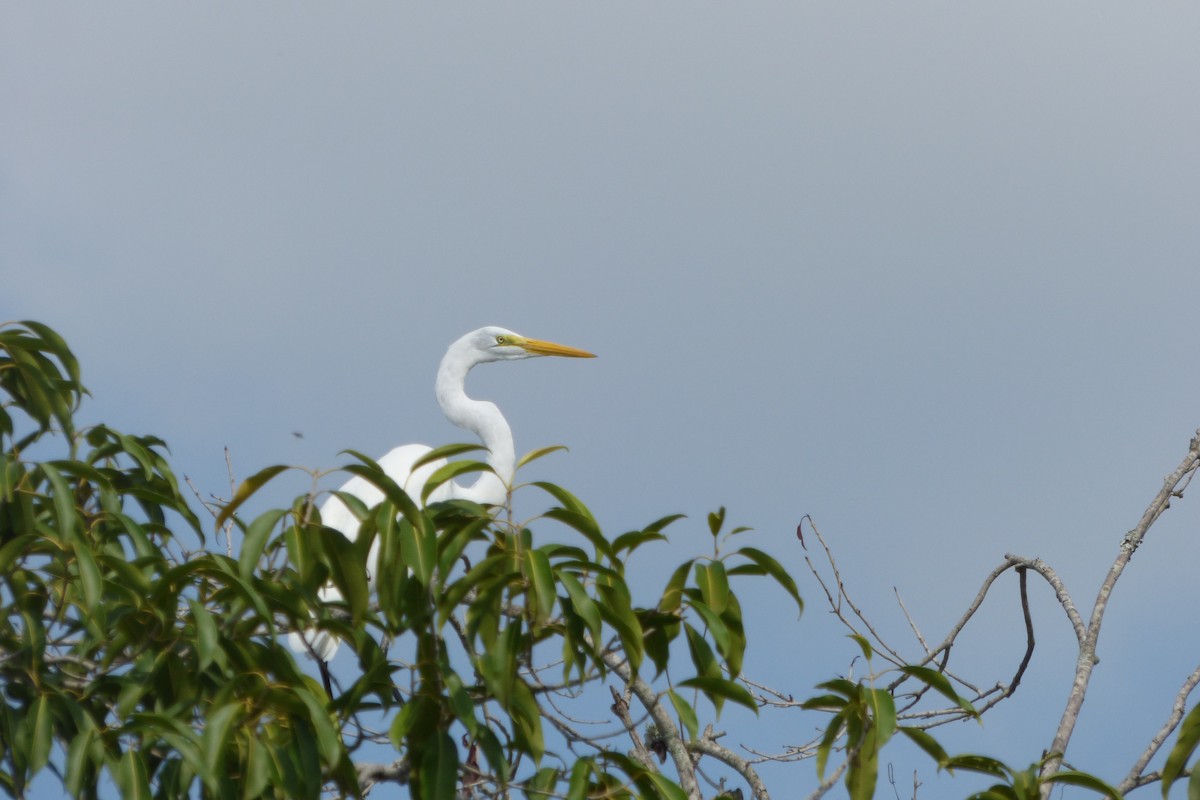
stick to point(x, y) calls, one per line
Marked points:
point(485, 421)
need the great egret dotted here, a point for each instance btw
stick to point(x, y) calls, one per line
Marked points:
point(478, 416)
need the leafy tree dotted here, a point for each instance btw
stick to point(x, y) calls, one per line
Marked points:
point(135, 656)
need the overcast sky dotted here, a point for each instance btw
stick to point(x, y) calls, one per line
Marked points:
point(927, 272)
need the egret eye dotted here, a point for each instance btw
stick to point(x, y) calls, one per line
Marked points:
point(501, 340)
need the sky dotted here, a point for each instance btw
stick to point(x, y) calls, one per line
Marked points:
point(926, 272)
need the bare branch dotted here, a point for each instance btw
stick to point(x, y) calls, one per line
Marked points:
point(1029, 640)
point(1134, 778)
point(662, 720)
point(708, 745)
point(620, 707)
point(1173, 486)
point(881, 646)
point(829, 782)
point(398, 771)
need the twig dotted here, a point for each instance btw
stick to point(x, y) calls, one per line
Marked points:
point(232, 493)
point(620, 707)
point(916, 631)
point(1060, 591)
point(882, 647)
point(828, 783)
point(1029, 640)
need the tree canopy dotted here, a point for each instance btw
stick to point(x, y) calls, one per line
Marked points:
point(139, 657)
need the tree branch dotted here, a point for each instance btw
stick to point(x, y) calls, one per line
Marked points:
point(1134, 778)
point(1173, 486)
point(662, 720)
point(707, 745)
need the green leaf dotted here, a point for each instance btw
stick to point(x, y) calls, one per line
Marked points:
point(527, 721)
point(722, 688)
point(42, 720)
point(446, 451)
point(825, 746)
point(418, 549)
point(90, 578)
point(923, 740)
point(716, 627)
point(715, 520)
point(348, 574)
point(672, 596)
point(617, 612)
point(536, 454)
point(131, 776)
point(586, 525)
point(1181, 753)
point(662, 522)
point(215, 741)
point(824, 702)
point(406, 719)
point(79, 760)
point(634, 539)
point(883, 713)
point(247, 490)
point(980, 764)
point(847, 688)
point(583, 604)
point(439, 769)
point(64, 502)
point(541, 581)
point(449, 472)
point(702, 655)
point(775, 570)
point(941, 684)
point(581, 772)
point(329, 741)
point(565, 498)
point(862, 774)
point(653, 532)
point(55, 344)
point(207, 641)
point(1086, 781)
point(687, 714)
point(544, 781)
point(373, 474)
point(255, 540)
point(713, 585)
point(665, 787)
point(11, 475)
point(260, 772)
point(863, 645)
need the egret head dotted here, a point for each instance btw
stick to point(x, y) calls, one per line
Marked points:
point(501, 344)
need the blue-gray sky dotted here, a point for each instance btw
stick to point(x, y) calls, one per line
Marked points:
point(924, 271)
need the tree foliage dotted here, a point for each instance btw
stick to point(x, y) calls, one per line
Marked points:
point(136, 656)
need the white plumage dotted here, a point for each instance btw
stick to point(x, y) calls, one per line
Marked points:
point(478, 416)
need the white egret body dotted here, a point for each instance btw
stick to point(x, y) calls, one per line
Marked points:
point(478, 416)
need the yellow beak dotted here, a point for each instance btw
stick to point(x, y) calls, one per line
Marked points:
point(541, 348)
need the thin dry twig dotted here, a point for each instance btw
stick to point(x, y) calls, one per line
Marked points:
point(916, 631)
point(620, 707)
point(1029, 638)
